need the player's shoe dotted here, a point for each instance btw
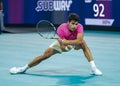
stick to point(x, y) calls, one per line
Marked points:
point(96, 71)
point(17, 70)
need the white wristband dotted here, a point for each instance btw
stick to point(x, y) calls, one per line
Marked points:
point(66, 48)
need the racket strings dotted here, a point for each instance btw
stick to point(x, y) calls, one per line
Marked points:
point(46, 29)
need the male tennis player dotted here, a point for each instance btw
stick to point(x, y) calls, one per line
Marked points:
point(70, 36)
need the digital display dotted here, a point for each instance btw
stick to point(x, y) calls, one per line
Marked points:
point(102, 12)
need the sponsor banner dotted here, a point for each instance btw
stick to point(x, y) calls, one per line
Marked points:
point(91, 12)
point(53, 5)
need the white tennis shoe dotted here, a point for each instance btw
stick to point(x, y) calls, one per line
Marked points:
point(16, 70)
point(96, 71)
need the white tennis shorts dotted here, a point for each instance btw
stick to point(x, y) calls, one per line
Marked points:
point(55, 45)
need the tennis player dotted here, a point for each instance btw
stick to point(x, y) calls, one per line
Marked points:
point(70, 36)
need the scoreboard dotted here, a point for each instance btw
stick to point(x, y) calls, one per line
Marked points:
point(102, 12)
point(99, 12)
point(91, 12)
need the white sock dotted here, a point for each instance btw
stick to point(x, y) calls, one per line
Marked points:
point(25, 67)
point(92, 64)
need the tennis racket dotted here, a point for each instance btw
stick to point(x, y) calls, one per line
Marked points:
point(46, 29)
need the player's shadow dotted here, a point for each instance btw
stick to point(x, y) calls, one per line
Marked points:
point(64, 79)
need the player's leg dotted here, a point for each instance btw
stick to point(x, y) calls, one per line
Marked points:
point(48, 53)
point(86, 51)
point(90, 59)
point(53, 49)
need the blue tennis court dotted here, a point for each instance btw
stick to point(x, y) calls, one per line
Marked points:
point(67, 69)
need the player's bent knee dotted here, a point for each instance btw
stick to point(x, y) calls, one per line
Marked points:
point(83, 45)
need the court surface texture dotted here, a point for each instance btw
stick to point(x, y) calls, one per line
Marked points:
point(66, 69)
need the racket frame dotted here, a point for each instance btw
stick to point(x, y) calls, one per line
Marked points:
point(54, 28)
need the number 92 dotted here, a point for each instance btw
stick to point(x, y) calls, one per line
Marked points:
point(98, 10)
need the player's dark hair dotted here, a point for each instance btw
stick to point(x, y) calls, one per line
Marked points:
point(74, 17)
